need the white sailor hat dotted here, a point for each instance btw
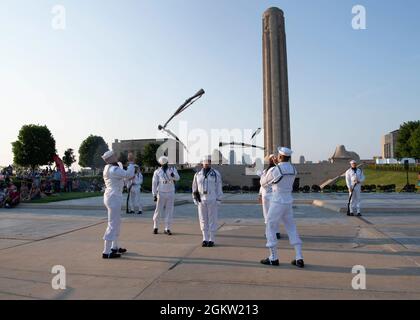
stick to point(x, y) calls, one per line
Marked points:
point(206, 160)
point(163, 160)
point(108, 155)
point(270, 156)
point(353, 162)
point(285, 151)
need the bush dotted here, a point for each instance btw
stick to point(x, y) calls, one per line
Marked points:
point(342, 188)
point(316, 188)
point(409, 188)
point(306, 189)
point(326, 189)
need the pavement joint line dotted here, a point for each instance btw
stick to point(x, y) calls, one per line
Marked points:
point(288, 286)
point(54, 236)
point(163, 273)
point(25, 280)
point(396, 247)
point(171, 268)
point(20, 295)
point(96, 275)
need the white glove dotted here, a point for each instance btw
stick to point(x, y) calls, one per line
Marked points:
point(219, 202)
point(195, 202)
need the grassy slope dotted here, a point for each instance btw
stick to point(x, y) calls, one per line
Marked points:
point(386, 177)
point(67, 196)
point(186, 181)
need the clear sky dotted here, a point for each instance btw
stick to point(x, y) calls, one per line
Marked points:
point(120, 68)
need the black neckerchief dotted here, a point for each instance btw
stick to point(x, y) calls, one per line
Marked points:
point(206, 172)
point(354, 170)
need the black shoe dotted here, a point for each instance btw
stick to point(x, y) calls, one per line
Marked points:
point(155, 231)
point(129, 212)
point(205, 244)
point(270, 263)
point(111, 255)
point(140, 212)
point(168, 232)
point(350, 214)
point(211, 244)
point(298, 263)
point(119, 250)
point(278, 236)
point(359, 214)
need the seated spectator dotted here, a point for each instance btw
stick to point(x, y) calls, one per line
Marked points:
point(76, 185)
point(69, 181)
point(24, 192)
point(48, 188)
point(3, 195)
point(35, 193)
point(12, 197)
point(57, 181)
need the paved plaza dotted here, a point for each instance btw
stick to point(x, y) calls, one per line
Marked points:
point(386, 241)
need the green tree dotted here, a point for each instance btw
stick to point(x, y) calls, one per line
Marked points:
point(69, 158)
point(123, 158)
point(34, 147)
point(90, 152)
point(405, 141)
point(149, 156)
point(414, 143)
point(139, 158)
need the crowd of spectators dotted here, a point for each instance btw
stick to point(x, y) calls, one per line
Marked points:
point(27, 185)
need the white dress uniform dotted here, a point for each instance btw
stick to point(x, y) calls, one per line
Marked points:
point(163, 186)
point(210, 189)
point(281, 178)
point(114, 177)
point(135, 191)
point(353, 177)
point(266, 194)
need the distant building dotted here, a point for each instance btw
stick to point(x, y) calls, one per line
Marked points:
point(301, 160)
point(177, 156)
point(389, 144)
point(232, 157)
point(342, 155)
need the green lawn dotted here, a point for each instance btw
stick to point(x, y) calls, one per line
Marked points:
point(67, 196)
point(386, 177)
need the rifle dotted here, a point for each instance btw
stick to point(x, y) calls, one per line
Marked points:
point(351, 196)
point(128, 199)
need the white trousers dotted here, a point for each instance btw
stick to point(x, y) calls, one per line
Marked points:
point(281, 213)
point(135, 201)
point(165, 209)
point(265, 206)
point(356, 199)
point(207, 215)
point(113, 205)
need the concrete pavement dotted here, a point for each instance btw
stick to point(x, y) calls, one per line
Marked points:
point(32, 241)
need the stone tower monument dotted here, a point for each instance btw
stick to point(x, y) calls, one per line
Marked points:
point(276, 87)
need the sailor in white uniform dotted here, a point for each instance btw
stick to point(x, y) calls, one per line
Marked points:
point(207, 195)
point(114, 176)
point(163, 189)
point(265, 193)
point(281, 178)
point(134, 185)
point(354, 180)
